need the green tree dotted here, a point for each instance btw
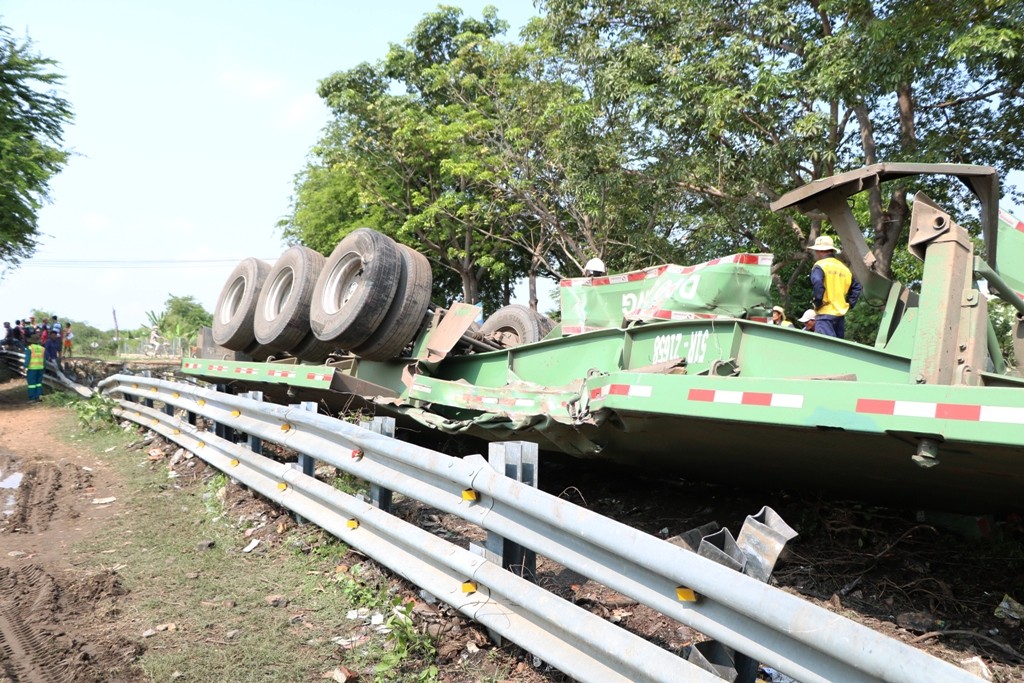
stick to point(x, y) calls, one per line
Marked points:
point(181, 319)
point(32, 121)
point(741, 101)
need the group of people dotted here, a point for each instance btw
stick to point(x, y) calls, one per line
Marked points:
point(834, 291)
point(46, 341)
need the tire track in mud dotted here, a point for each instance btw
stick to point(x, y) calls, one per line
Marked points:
point(34, 502)
point(29, 652)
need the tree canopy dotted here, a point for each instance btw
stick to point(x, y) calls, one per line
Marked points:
point(32, 121)
point(646, 131)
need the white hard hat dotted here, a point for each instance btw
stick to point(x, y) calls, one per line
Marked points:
point(808, 315)
point(824, 243)
point(594, 265)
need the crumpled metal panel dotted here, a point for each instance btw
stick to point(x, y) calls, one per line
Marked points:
point(735, 286)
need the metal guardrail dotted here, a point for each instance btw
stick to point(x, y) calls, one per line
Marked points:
point(808, 643)
point(54, 377)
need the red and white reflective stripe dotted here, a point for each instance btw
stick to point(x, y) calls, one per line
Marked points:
point(498, 401)
point(280, 373)
point(216, 368)
point(1011, 221)
point(191, 366)
point(246, 371)
point(680, 315)
point(741, 259)
point(635, 276)
point(318, 377)
point(941, 411)
point(747, 398)
point(579, 329)
point(634, 390)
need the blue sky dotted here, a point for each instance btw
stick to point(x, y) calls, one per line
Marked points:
point(192, 119)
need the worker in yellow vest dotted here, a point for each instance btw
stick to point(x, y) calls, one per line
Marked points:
point(34, 368)
point(835, 291)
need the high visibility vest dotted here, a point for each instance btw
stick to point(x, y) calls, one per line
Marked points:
point(36, 361)
point(837, 283)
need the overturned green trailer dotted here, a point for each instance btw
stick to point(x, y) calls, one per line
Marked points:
point(676, 368)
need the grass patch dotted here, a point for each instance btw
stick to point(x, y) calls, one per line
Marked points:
point(216, 597)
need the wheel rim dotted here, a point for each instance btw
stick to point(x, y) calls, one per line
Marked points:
point(233, 301)
point(342, 283)
point(279, 294)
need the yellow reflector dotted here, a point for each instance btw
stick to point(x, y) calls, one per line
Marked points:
point(155, 421)
point(153, 389)
point(234, 463)
point(468, 587)
point(201, 402)
point(352, 523)
point(177, 431)
point(135, 386)
point(176, 395)
point(200, 444)
point(469, 494)
point(236, 413)
point(282, 486)
point(685, 594)
point(285, 427)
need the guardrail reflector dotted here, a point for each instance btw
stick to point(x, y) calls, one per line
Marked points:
point(156, 421)
point(281, 486)
point(234, 463)
point(176, 431)
point(201, 402)
point(357, 454)
point(352, 524)
point(236, 413)
point(176, 395)
point(135, 386)
point(153, 389)
point(468, 587)
point(286, 427)
point(469, 494)
point(685, 594)
point(200, 444)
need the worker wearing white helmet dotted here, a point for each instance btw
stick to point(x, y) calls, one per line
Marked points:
point(594, 268)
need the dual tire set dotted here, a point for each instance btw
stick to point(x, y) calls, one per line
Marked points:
point(370, 297)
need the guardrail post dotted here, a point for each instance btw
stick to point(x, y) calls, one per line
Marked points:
point(306, 463)
point(148, 402)
point(753, 553)
point(516, 460)
point(380, 497)
point(222, 430)
point(255, 443)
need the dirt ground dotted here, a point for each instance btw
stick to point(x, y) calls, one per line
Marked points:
point(55, 617)
point(931, 581)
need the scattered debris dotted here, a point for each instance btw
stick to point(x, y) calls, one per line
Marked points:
point(103, 501)
point(918, 622)
point(1010, 609)
point(976, 665)
point(276, 600)
point(252, 545)
point(341, 674)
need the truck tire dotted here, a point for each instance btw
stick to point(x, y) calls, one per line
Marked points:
point(312, 350)
point(281, 322)
point(355, 288)
point(236, 305)
point(546, 323)
point(513, 325)
point(405, 317)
